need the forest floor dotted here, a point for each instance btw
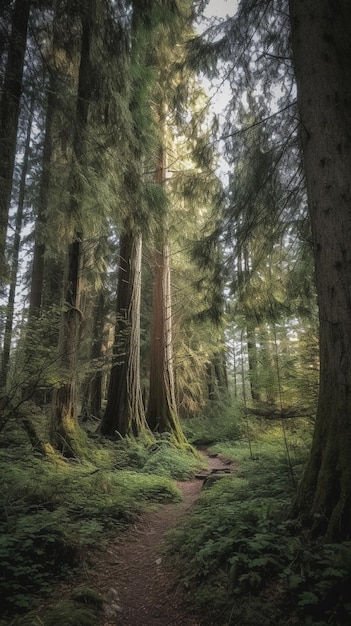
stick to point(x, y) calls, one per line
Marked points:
point(138, 588)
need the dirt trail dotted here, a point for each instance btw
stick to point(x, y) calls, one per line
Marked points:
point(139, 589)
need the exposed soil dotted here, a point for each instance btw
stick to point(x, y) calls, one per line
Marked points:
point(138, 587)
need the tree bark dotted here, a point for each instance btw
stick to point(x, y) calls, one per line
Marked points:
point(125, 411)
point(162, 415)
point(64, 418)
point(96, 353)
point(9, 113)
point(37, 277)
point(321, 38)
point(252, 360)
point(15, 256)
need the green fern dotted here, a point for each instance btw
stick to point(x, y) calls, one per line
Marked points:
point(69, 614)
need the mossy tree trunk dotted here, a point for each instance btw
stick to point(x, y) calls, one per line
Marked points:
point(64, 416)
point(321, 38)
point(64, 422)
point(125, 410)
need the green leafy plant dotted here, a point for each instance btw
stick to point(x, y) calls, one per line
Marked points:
point(319, 580)
point(167, 460)
point(70, 614)
point(237, 540)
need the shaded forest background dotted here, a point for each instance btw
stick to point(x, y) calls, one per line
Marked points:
point(171, 278)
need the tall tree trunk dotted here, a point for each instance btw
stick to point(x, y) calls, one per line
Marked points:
point(15, 257)
point(64, 404)
point(321, 38)
point(252, 360)
point(235, 368)
point(162, 415)
point(64, 422)
point(37, 278)
point(217, 378)
point(125, 411)
point(95, 390)
point(9, 113)
point(220, 364)
point(211, 382)
point(38, 263)
point(245, 271)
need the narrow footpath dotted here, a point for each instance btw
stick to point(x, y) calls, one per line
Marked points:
point(138, 588)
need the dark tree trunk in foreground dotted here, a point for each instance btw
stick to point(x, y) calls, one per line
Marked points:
point(9, 112)
point(125, 411)
point(321, 37)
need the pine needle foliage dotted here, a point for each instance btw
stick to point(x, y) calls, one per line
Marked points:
point(262, 236)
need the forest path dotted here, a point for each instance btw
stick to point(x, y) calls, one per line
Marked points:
point(139, 589)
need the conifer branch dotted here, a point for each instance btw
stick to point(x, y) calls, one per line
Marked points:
point(259, 122)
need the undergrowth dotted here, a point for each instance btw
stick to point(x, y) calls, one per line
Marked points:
point(244, 562)
point(64, 613)
point(220, 422)
point(242, 559)
point(160, 456)
point(53, 512)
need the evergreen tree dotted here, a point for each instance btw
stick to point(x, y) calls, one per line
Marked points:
point(9, 114)
point(103, 141)
point(257, 46)
point(64, 407)
point(38, 263)
point(162, 414)
point(15, 254)
point(197, 260)
point(125, 410)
